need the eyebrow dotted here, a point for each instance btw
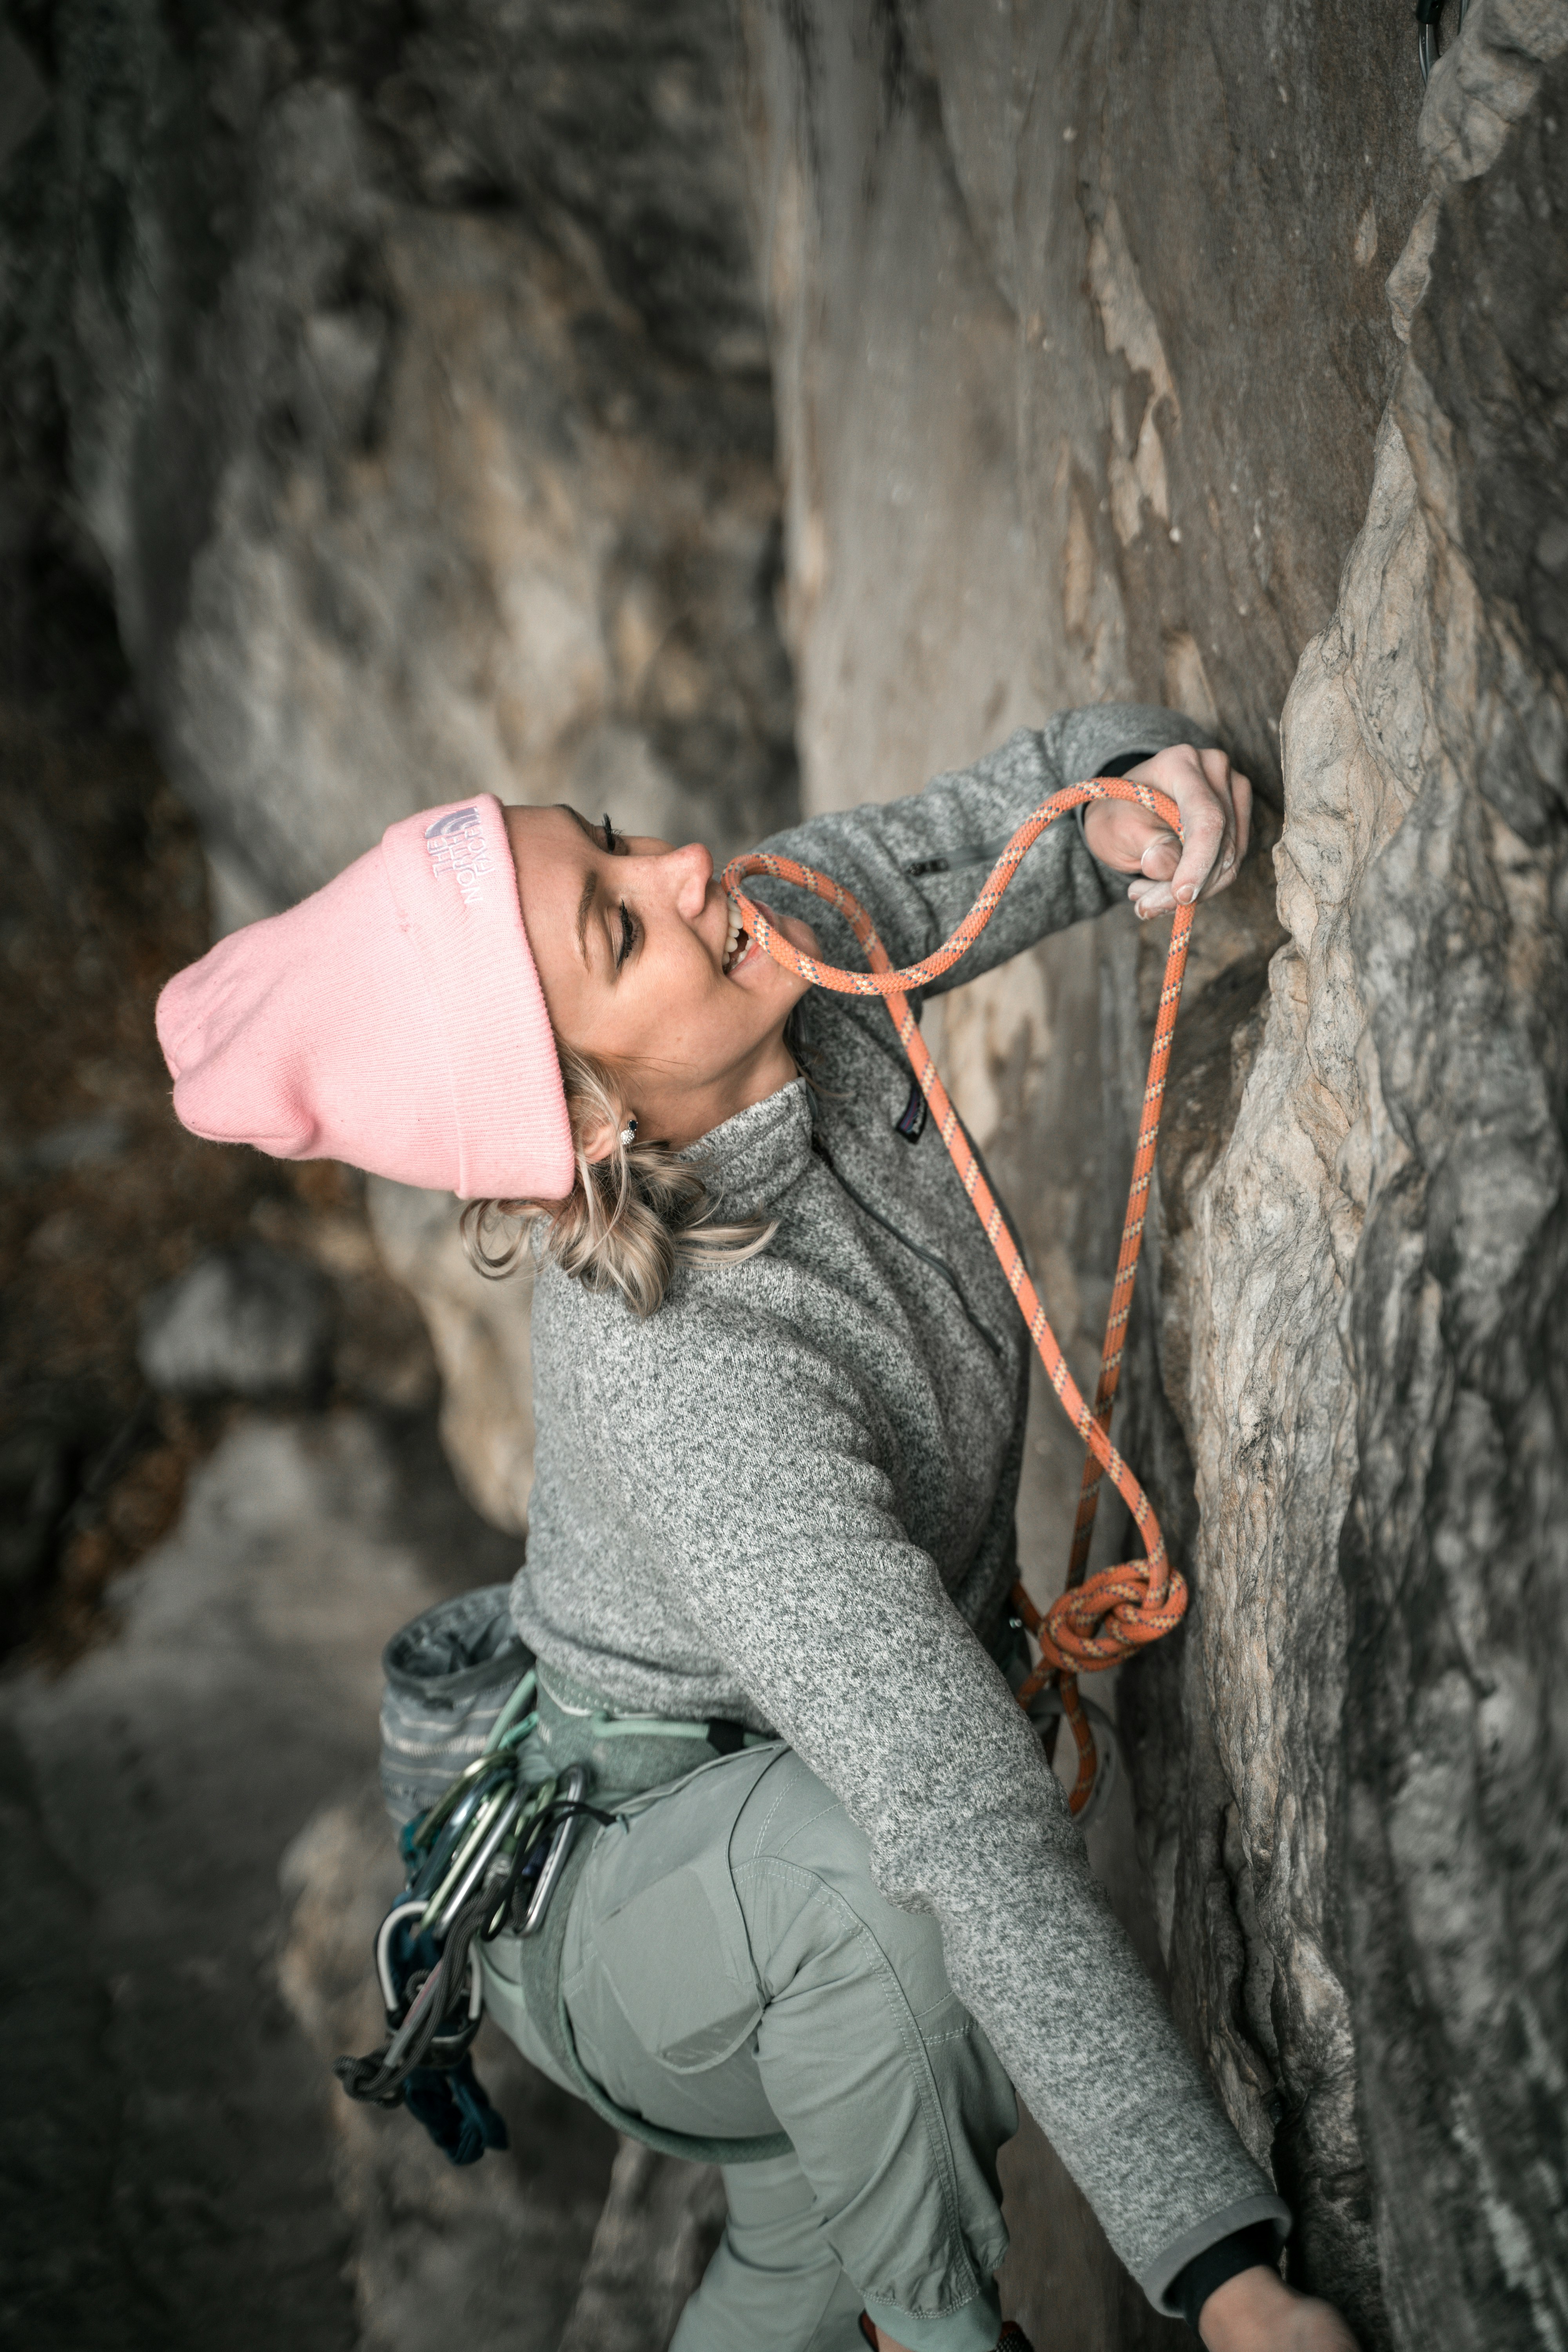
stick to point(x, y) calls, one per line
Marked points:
point(585, 903)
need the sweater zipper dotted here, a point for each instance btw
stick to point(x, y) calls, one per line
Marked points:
point(928, 1258)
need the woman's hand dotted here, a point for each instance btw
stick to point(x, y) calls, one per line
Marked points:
point(1215, 806)
point(1256, 2311)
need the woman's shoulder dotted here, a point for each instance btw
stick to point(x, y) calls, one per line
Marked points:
point(721, 1327)
point(722, 1374)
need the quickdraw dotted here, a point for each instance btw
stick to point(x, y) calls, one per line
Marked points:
point(1102, 1619)
point(485, 1857)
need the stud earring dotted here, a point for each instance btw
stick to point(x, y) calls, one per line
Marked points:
point(629, 1134)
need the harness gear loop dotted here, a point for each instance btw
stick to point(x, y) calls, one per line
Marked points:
point(1101, 1619)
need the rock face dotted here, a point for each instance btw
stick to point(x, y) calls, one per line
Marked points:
point(1080, 346)
point(414, 386)
point(180, 2169)
point(481, 1332)
point(660, 2223)
point(1376, 1291)
point(1077, 402)
point(418, 400)
point(244, 1321)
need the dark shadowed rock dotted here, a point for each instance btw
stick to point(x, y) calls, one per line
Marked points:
point(197, 1856)
point(245, 1321)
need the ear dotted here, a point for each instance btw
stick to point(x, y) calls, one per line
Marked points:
point(600, 1141)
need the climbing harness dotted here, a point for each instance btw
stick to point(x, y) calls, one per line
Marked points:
point(487, 1855)
point(1101, 1619)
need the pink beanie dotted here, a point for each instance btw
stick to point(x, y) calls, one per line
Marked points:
point(393, 1020)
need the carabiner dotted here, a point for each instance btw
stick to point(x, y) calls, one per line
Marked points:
point(573, 1788)
point(1428, 13)
point(1045, 1707)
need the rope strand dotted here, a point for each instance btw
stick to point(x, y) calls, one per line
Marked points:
point(1098, 1620)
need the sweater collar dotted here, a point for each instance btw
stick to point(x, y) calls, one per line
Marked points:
point(750, 1161)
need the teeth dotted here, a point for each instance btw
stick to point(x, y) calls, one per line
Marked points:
point(731, 936)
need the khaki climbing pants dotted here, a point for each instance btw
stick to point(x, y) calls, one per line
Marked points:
point(731, 1970)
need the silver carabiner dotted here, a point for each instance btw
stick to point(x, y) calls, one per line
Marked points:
point(391, 2001)
point(1428, 13)
point(573, 1789)
point(1109, 1763)
point(477, 1861)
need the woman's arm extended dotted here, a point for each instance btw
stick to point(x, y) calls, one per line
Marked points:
point(917, 864)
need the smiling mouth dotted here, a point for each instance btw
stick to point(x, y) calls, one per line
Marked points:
point(738, 944)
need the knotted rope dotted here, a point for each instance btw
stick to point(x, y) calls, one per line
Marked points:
point(1101, 1619)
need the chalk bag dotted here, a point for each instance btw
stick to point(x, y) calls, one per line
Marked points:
point(448, 1677)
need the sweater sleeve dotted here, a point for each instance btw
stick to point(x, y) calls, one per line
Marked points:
point(759, 1502)
point(917, 864)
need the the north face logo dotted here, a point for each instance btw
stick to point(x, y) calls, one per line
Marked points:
point(457, 847)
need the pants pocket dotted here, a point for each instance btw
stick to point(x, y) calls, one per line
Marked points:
point(662, 1955)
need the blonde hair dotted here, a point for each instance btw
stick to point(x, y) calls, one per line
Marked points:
point(629, 1221)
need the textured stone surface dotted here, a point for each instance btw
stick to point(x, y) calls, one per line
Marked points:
point(179, 2167)
point(1373, 1286)
point(244, 1321)
point(412, 387)
point(660, 2222)
point(481, 1332)
point(1010, 286)
point(416, 398)
point(1080, 348)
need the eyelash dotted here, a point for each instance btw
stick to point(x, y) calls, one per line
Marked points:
point(628, 928)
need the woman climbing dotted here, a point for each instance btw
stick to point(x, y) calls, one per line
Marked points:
point(839, 1910)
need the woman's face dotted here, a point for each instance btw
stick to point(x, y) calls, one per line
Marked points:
point(631, 941)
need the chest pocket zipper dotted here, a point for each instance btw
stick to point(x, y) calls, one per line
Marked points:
point(928, 1258)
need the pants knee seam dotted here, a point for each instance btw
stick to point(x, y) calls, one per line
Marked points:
point(910, 2039)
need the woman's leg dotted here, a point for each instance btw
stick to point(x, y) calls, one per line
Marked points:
point(775, 2284)
point(731, 1968)
point(893, 2098)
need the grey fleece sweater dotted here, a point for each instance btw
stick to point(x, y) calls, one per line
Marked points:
point(788, 1497)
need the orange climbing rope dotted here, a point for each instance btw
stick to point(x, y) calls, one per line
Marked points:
point(1101, 1619)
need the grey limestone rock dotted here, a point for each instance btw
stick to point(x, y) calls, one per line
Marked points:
point(198, 1857)
point(417, 397)
point(245, 1321)
point(1087, 387)
point(479, 1330)
point(1371, 1374)
point(1081, 347)
point(660, 2222)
